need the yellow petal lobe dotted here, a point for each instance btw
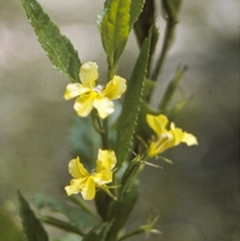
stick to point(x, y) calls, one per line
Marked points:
point(166, 139)
point(115, 88)
point(88, 74)
point(76, 168)
point(84, 103)
point(104, 106)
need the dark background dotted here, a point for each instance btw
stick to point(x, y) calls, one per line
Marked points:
point(196, 198)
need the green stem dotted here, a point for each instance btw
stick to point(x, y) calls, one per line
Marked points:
point(62, 224)
point(105, 134)
point(101, 129)
point(136, 231)
point(96, 124)
point(83, 205)
point(111, 73)
point(166, 45)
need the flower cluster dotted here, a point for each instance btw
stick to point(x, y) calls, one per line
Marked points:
point(91, 95)
point(165, 138)
point(85, 182)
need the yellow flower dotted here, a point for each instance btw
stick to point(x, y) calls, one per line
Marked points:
point(91, 95)
point(166, 138)
point(86, 182)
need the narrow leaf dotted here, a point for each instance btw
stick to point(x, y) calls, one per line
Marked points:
point(133, 98)
point(76, 215)
point(171, 89)
point(114, 29)
point(98, 233)
point(57, 47)
point(136, 9)
point(171, 9)
point(62, 224)
point(146, 21)
point(32, 226)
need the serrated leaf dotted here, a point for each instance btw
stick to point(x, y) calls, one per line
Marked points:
point(57, 47)
point(114, 29)
point(136, 9)
point(32, 226)
point(133, 98)
point(146, 21)
point(76, 215)
point(121, 209)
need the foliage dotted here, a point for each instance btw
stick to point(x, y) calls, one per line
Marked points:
point(120, 133)
point(32, 226)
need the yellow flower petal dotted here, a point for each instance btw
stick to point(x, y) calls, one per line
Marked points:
point(76, 168)
point(103, 177)
point(88, 190)
point(103, 105)
point(106, 160)
point(115, 88)
point(88, 74)
point(177, 134)
point(74, 187)
point(85, 182)
point(74, 90)
point(84, 103)
point(157, 123)
point(189, 139)
point(91, 95)
point(166, 139)
point(160, 145)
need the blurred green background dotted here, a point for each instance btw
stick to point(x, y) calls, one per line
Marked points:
point(197, 198)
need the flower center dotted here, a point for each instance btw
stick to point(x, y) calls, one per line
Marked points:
point(98, 89)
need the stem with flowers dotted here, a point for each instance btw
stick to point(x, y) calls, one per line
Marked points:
point(116, 139)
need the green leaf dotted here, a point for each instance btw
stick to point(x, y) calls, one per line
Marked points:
point(121, 209)
point(171, 9)
point(133, 98)
point(76, 215)
point(102, 201)
point(98, 233)
point(32, 226)
point(136, 9)
point(171, 90)
point(57, 223)
point(146, 21)
point(57, 47)
point(84, 141)
point(131, 173)
point(114, 29)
